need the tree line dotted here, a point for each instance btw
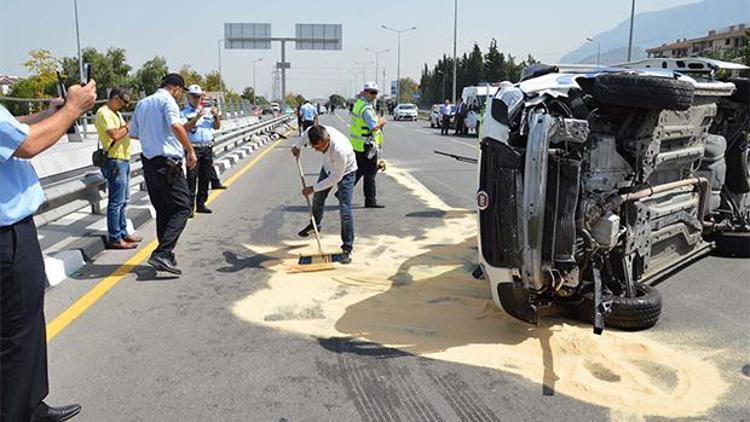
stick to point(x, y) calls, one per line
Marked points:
point(109, 69)
point(472, 68)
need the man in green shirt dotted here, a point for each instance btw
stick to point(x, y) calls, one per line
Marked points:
point(113, 134)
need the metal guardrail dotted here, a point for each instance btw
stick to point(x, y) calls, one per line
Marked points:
point(78, 188)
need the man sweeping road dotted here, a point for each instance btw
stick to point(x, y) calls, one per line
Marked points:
point(340, 169)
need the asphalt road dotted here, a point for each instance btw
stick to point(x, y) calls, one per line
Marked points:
point(404, 334)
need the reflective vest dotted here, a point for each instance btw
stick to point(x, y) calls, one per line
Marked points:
point(359, 132)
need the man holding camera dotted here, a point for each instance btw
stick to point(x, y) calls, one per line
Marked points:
point(200, 125)
point(113, 135)
point(157, 124)
point(23, 342)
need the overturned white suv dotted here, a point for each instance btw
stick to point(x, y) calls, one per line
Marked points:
point(595, 182)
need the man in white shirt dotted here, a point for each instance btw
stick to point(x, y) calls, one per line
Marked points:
point(339, 169)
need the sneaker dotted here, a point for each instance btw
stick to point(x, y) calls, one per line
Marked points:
point(307, 231)
point(346, 258)
point(374, 205)
point(219, 187)
point(203, 210)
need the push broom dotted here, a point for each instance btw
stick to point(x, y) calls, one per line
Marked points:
point(321, 261)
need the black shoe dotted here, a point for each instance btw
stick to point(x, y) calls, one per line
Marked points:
point(164, 264)
point(203, 210)
point(306, 231)
point(45, 413)
point(219, 187)
point(374, 205)
point(192, 214)
point(346, 258)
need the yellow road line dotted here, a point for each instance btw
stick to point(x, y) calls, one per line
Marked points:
point(101, 288)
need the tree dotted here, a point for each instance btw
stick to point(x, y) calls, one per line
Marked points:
point(149, 76)
point(475, 67)
point(249, 94)
point(109, 69)
point(43, 67)
point(192, 76)
point(337, 100)
point(408, 88)
point(294, 100)
point(494, 64)
point(261, 101)
point(214, 82)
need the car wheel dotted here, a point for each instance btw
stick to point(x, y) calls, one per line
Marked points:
point(738, 165)
point(638, 91)
point(628, 313)
point(736, 244)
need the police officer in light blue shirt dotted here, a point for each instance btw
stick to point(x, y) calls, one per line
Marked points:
point(23, 344)
point(157, 124)
point(200, 125)
point(309, 115)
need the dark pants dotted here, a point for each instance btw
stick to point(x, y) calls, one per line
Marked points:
point(344, 194)
point(170, 197)
point(367, 168)
point(460, 127)
point(445, 125)
point(23, 343)
point(212, 176)
point(201, 174)
point(306, 124)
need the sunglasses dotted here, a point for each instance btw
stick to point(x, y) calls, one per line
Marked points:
point(124, 101)
point(370, 91)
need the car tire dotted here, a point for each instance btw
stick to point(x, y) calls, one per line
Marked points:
point(738, 165)
point(628, 313)
point(742, 92)
point(732, 244)
point(638, 91)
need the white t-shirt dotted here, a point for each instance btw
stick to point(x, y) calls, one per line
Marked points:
point(338, 159)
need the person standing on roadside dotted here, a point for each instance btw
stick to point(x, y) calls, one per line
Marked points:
point(164, 143)
point(23, 338)
point(460, 115)
point(445, 114)
point(200, 125)
point(366, 135)
point(113, 135)
point(308, 115)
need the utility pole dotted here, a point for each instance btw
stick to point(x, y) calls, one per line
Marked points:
point(78, 42)
point(598, 49)
point(630, 41)
point(398, 66)
point(255, 89)
point(455, 32)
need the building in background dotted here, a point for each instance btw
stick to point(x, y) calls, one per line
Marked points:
point(721, 44)
point(7, 81)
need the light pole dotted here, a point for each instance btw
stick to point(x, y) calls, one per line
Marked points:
point(78, 42)
point(398, 66)
point(364, 70)
point(598, 49)
point(218, 49)
point(630, 40)
point(442, 80)
point(377, 54)
point(255, 89)
point(455, 33)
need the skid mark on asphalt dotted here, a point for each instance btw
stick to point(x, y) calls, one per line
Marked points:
point(415, 294)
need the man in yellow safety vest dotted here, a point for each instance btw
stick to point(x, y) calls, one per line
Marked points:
point(366, 135)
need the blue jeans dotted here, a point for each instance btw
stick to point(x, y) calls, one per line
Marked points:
point(345, 192)
point(117, 173)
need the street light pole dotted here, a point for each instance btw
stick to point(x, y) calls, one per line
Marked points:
point(455, 32)
point(255, 89)
point(630, 40)
point(598, 49)
point(78, 42)
point(377, 54)
point(398, 66)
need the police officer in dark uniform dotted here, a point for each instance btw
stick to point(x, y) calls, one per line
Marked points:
point(23, 342)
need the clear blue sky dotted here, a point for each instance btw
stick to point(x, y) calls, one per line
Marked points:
point(185, 32)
